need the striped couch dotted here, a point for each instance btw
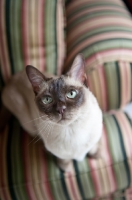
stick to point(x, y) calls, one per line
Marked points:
point(48, 34)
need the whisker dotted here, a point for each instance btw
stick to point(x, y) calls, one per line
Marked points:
point(35, 119)
point(37, 140)
point(33, 139)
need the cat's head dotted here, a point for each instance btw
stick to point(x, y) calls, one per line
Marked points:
point(59, 99)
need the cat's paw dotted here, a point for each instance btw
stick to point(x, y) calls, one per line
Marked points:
point(96, 151)
point(65, 165)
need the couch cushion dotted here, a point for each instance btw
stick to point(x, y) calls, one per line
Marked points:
point(28, 171)
point(31, 33)
point(102, 32)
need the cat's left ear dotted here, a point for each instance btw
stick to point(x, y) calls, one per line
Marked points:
point(35, 77)
point(77, 70)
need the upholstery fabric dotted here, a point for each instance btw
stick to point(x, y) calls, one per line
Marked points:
point(31, 33)
point(112, 84)
point(28, 171)
point(102, 32)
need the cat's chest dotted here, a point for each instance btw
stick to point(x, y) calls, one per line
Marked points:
point(69, 142)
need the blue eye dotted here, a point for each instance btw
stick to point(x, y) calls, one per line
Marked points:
point(47, 100)
point(72, 94)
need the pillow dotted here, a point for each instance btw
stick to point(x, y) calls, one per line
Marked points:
point(31, 34)
point(102, 32)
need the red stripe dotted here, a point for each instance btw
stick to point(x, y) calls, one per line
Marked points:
point(2, 46)
point(72, 187)
point(46, 178)
point(26, 163)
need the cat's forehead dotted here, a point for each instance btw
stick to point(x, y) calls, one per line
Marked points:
point(60, 83)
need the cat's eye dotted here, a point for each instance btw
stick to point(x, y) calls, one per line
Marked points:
point(47, 100)
point(72, 94)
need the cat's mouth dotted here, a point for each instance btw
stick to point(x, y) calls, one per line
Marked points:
point(62, 118)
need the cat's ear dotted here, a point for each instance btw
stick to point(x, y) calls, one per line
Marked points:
point(35, 77)
point(77, 70)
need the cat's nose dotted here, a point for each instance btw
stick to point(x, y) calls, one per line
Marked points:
point(61, 109)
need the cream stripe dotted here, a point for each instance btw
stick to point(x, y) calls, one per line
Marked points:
point(97, 23)
point(126, 133)
point(60, 37)
point(94, 39)
point(78, 3)
point(41, 47)
point(122, 83)
point(109, 56)
point(97, 86)
point(95, 9)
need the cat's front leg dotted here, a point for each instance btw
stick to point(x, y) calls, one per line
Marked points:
point(65, 165)
point(96, 151)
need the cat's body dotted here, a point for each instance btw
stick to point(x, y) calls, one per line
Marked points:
point(64, 113)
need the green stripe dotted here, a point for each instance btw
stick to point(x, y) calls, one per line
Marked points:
point(114, 140)
point(97, 32)
point(112, 84)
point(7, 19)
point(78, 179)
point(65, 192)
point(16, 37)
point(119, 83)
point(9, 161)
point(56, 180)
point(86, 179)
point(50, 36)
point(86, 18)
point(127, 170)
point(92, 5)
point(103, 45)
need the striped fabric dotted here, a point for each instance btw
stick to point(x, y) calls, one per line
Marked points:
point(102, 32)
point(112, 84)
point(28, 172)
point(31, 32)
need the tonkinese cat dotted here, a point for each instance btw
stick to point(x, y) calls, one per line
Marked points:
point(61, 110)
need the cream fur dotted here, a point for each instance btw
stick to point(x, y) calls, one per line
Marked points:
point(72, 140)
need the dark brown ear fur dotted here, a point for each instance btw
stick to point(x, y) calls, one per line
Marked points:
point(35, 77)
point(77, 70)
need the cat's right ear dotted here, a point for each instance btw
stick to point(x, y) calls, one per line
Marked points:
point(35, 77)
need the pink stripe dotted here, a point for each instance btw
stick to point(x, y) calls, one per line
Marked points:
point(110, 170)
point(45, 176)
point(95, 177)
point(25, 12)
point(41, 25)
point(100, 38)
point(26, 162)
point(91, 10)
point(113, 53)
point(94, 24)
point(72, 187)
point(126, 132)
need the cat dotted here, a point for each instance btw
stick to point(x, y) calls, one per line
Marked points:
point(61, 110)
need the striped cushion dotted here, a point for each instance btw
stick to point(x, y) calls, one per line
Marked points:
point(112, 84)
point(27, 171)
point(31, 32)
point(102, 32)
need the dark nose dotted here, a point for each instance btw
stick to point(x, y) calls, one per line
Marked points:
point(61, 108)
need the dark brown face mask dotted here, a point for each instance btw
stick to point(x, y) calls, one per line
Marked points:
point(54, 99)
